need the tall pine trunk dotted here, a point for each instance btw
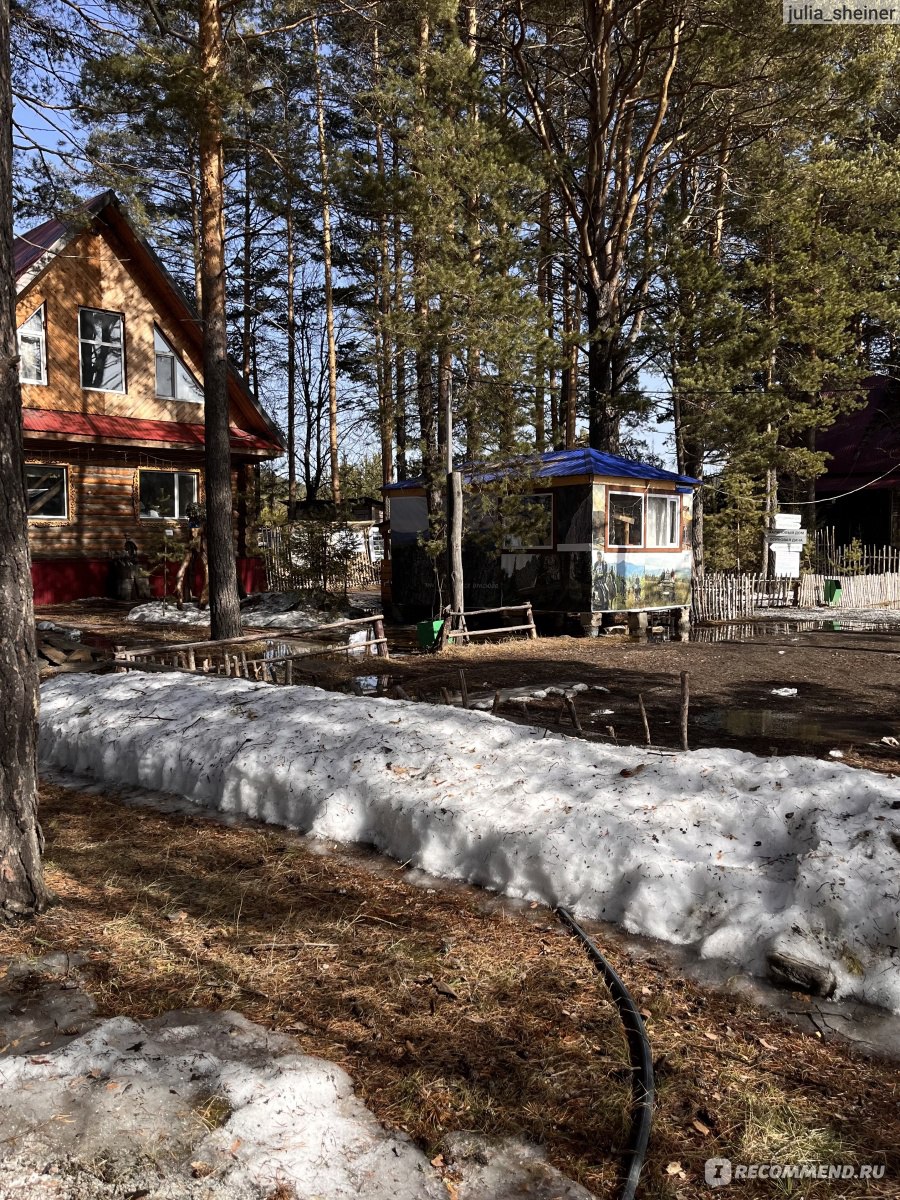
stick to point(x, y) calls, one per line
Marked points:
point(292, 360)
point(21, 878)
point(326, 263)
point(224, 604)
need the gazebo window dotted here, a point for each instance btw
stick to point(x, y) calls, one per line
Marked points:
point(625, 522)
point(663, 525)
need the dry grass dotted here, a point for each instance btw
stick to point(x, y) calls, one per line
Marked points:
point(449, 1011)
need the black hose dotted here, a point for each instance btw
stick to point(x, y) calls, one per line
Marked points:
point(638, 1052)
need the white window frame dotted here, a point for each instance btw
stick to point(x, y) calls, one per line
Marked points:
point(65, 491)
point(180, 515)
point(107, 312)
point(642, 496)
point(177, 362)
point(670, 500)
point(40, 311)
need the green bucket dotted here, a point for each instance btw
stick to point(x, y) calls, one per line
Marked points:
point(427, 633)
point(833, 591)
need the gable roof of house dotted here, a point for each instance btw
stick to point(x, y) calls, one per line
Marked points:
point(559, 464)
point(35, 251)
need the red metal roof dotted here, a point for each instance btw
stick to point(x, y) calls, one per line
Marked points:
point(28, 248)
point(39, 420)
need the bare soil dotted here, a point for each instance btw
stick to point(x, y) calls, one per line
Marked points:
point(449, 1010)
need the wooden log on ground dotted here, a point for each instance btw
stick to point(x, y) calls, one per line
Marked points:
point(685, 702)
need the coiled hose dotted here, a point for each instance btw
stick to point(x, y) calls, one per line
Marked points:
point(639, 1054)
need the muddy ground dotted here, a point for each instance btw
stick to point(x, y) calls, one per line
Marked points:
point(847, 683)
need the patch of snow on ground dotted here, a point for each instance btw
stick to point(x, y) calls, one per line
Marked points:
point(732, 854)
point(208, 1106)
point(130, 1093)
point(266, 610)
point(52, 627)
point(160, 612)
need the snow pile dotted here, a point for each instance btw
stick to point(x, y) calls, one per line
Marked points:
point(52, 627)
point(266, 610)
point(136, 1095)
point(738, 856)
point(164, 612)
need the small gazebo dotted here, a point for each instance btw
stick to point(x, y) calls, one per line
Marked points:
point(608, 537)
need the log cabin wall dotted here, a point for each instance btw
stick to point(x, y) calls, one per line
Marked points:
point(71, 554)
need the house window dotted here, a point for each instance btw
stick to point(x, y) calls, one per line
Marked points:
point(33, 348)
point(663, 522)
point(173, 380)
point(102, 350)
point(166, 494)
point(47, 492)
point(625, 522)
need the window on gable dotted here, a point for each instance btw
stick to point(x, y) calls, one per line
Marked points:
point(32, 337)
point(47, 491)
point(173, 380)
point(166, 494)
point(102, 350)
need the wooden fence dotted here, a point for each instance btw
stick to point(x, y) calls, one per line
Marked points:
point(269, 655)
point(857, 591)
point(286, 570)
point(826, 556)
point(726, 596)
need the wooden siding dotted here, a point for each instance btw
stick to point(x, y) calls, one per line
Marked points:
point(103, 510)
point(90, 274)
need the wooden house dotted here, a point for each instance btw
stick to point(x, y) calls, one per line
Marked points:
point(606, 537)
point(859, 494)
point(112, 396)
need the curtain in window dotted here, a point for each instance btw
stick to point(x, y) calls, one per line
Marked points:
point(662, 521)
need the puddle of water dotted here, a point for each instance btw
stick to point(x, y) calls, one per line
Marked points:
point(785, 725)
point(746, 631)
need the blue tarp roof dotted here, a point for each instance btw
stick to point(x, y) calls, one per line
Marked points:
point(557, 464)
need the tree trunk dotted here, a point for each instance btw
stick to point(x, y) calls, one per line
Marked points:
point(399, 347)
point(386, 404)
point(603, 420)
point(291, 362)
point(224, 604)
point(326, 264)
point(21, 878)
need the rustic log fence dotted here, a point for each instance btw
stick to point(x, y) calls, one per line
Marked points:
point(826, 556)
point(266, 656)
point(286, 570)
point(726, 596)
point(456, 629)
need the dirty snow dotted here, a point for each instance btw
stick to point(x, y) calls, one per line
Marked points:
point(204, 1105)
point(265, 610)
point(734, 855)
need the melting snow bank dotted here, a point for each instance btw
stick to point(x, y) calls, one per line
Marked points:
point(208, 1106)
point(790, 864)
point(265, 610)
